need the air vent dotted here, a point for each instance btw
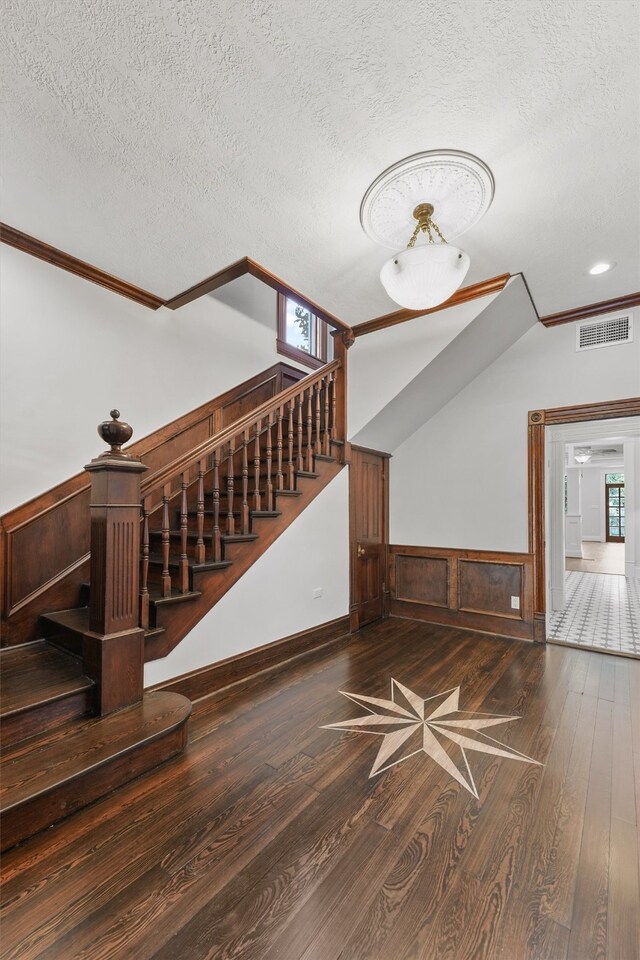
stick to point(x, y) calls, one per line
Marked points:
point(604, 333)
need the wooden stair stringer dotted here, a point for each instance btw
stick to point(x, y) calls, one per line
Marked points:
point(179, 620)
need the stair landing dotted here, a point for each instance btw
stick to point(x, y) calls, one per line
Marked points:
point(40, 688)
point(86, 760)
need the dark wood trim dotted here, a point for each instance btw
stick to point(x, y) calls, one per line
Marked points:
point(58, 258)
point(537, 420)
point(209, 284)
point(20, 610)
point(627, 407)
point(286, 350)
point(457, 611)
point(249, 266)
point(43, 251)
point(378, 453)
point(591, 310)
point(473, 292)
point(200, 683)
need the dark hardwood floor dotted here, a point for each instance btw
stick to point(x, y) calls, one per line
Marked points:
point(268, 839)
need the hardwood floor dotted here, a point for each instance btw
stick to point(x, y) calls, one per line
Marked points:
point(269, 839)
point(598, 558)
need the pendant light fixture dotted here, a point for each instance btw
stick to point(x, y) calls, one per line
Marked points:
point(420, 199)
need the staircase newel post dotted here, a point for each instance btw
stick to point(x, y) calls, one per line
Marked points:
point(113, 647)
point(341, 343)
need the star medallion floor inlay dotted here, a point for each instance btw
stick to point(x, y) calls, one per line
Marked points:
point(410, 725)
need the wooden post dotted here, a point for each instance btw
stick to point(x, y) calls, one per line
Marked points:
point(113, 647)
point(341, 343)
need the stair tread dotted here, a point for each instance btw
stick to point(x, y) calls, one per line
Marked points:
point(75, 619)
point(37, 673)
point(88, 745)
point(239, 537)
point(176, 596)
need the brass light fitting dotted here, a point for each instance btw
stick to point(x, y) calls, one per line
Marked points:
point(423, 213)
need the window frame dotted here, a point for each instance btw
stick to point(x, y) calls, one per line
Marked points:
point(313, 360)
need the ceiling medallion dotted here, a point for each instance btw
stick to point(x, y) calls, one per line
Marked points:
point(410, 725)
point(424, 199)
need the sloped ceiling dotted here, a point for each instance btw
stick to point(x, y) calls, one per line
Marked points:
point(162, 140)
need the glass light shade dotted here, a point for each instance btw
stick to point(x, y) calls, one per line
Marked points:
point(424, 276)
point(582, 457)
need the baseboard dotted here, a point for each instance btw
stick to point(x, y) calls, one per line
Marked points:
point(200, 683)
point(479, 623)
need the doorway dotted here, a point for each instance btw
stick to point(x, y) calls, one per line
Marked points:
point(548, 431)
point(614, 509)
point(369, 535)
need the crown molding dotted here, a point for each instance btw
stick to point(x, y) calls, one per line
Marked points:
point(248, 266)
point(43, 251)
point(592, 310)
point(472, 292)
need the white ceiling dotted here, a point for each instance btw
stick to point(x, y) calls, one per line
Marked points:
point(163, 139)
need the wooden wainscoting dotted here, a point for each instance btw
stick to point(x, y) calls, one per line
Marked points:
point(471, 589)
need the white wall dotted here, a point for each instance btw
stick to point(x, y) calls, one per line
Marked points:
point(274, 597)
point(70, 351)
point(461, 479)
point(591, 506)
point(382, 363)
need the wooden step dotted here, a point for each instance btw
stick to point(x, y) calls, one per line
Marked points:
point(90, 759)
point(67, 627)
point(40, 687)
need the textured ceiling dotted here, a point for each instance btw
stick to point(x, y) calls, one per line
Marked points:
point(162, 140)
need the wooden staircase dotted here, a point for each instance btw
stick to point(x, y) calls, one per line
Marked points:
point(75, 721)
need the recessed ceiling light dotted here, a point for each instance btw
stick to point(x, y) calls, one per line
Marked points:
point(600, 268)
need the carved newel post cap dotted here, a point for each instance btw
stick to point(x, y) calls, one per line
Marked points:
point(115, 434)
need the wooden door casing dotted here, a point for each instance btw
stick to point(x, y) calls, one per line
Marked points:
point(369, 537)
point(614, 505)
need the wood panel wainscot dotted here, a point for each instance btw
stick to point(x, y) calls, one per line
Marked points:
point(472, 589)
point(44, 543)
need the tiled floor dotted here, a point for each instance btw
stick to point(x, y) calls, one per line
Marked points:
point(602, 611)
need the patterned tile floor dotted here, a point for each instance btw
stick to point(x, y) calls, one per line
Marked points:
point(603, 611)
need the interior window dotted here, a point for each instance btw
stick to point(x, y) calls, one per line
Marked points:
point(301, 335)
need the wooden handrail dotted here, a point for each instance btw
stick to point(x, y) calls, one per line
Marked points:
point(204, 449)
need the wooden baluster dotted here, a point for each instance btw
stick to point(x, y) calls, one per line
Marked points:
point(269, 484)
point(309, 431)
point(144, 566)
point(291, 466)
point(245, 483)
point(166, 541)
point(230, 521)
point(279, 473)
point(257, 501)
point(200, 553)
point(184, 533)
point(332, 427)
point(318, 418)
point(300, 457)
point(216, 547)
point(326, 445)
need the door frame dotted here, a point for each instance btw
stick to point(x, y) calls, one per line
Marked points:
point(354, 608)
point(607, 536)
point(538, 421)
